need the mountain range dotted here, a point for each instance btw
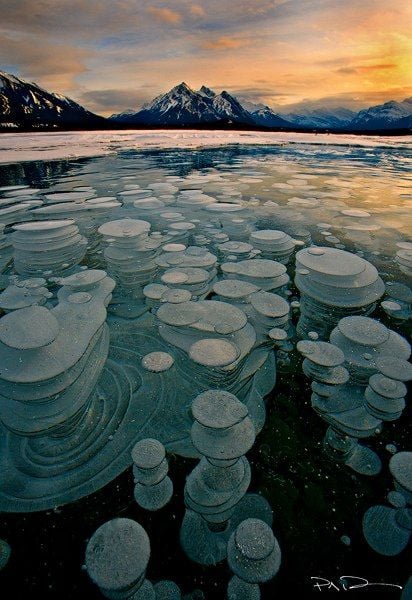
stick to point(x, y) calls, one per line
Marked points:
point(184, 106)
point(25, 105)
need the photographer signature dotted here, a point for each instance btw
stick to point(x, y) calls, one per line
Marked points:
point(346, 583)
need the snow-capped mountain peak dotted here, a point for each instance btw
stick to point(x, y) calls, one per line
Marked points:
point(205, 91)
point(184, 106)
point(391, 114)
point(24, 104)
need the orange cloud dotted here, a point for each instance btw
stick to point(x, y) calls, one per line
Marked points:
point(224, 43)
point(165, 14)
point(197, 11)
point(376, 67)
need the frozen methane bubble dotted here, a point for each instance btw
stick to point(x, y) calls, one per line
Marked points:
point(148, 209)
point(403, 258)
point(153, 488)
point(254, 556)
point(192, 257)
point(85, 280)
point(88, 215)
point(167, 590)
point(25, 293)
point(50, 364)
point(388, 530)
point(400, 295)
point(333, 284)
point(234, 291)
point(157, 362)
point(130, 255)
point(236, 250)
point(215, 490)
point(344, 412)
point(267, 275)
point(400, 467)
point(14, 213)
point(196, 281)
point(364, 341)
point(219, 350)
point(268, 311)
point(116, 560)
point(42, 246)
point(385, 398)
point(273, 244)
point(394, 367)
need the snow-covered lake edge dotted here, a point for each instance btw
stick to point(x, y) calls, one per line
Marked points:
point(24, 147)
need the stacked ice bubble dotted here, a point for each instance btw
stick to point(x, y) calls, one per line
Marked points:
point(268, 311)
point(193, 257)
point(47, 246)
point(333, 284)
point(153, 488)
point(404, 260)
point(388, 529)
point(363, 395)
point(234, 251)
point(218, 344)
point(398, 301)
point(203, 278)
point(130, 254)
point(341, 407)
point(234, 291)
point(51, 361)
point(88, 214)
point(254, 556)
point(267, 275)
point(273, 244)
point(215, 490)
point(364, 341)
point(24, 293)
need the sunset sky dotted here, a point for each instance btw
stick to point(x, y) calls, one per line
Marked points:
point(111, 55)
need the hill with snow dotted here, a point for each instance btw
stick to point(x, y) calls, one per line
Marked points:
point(26, 105)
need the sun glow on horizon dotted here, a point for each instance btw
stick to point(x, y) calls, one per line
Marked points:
point(111, 56)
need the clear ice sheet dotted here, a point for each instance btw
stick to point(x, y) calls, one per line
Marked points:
point(182, 267)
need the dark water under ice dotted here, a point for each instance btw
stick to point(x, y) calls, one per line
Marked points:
point(315, 501)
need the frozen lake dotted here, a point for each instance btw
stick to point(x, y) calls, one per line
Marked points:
point(49, 146)
point(141, 270)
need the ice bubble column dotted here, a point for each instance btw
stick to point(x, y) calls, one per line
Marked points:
point(273, 244)
point(42, 247)
point(254, 556)
point(388, 530)
point(153, 488)
point(267, 275)
point(385, 397)
point(333, 284)
point(117, 556)
point(222, 432)
point(364, 342)
point(130, 257)
point(50, 363)
point(342, 408)
point(268, 311)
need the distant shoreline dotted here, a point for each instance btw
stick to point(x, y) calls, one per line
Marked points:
point(112, 126)
point(70, 145)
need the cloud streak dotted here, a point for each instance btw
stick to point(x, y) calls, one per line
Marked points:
point(166, 15)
